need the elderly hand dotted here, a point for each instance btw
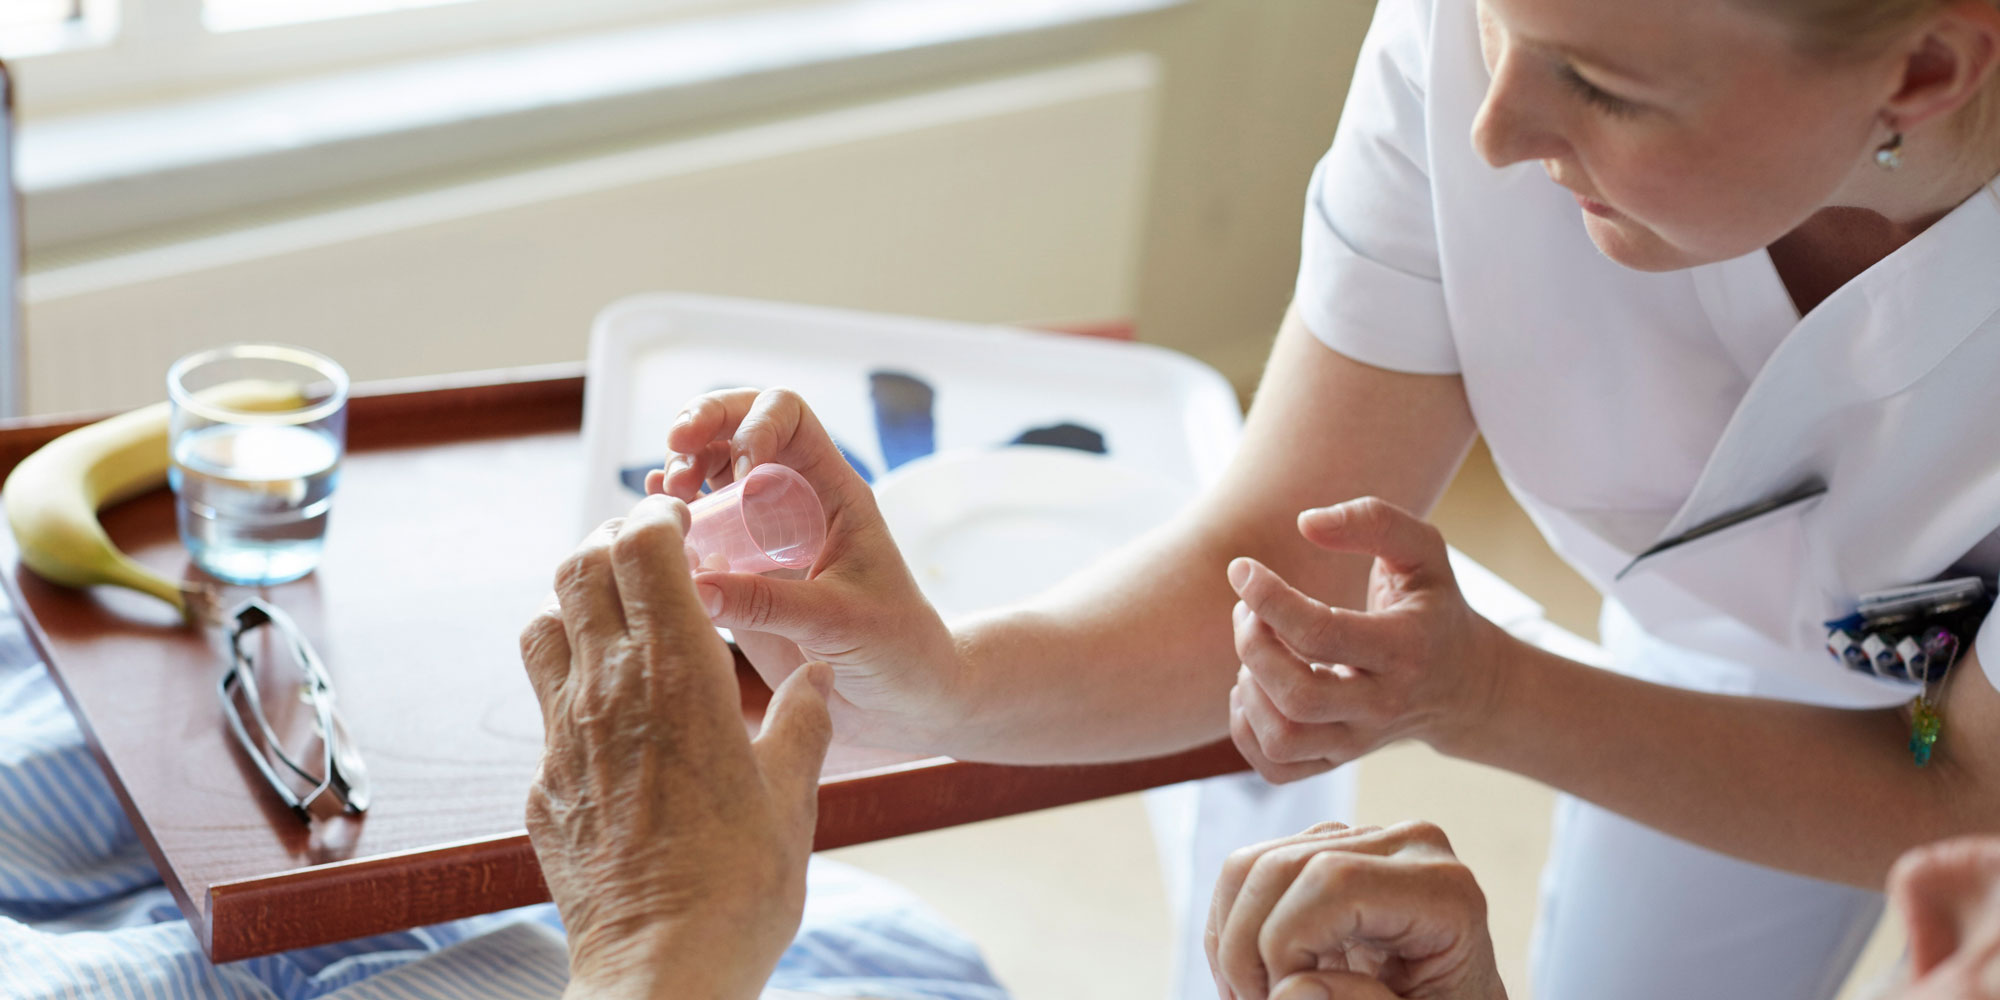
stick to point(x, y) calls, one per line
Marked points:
point(1351, 914)
point(674, 846)
point(895, 664)
point(1321, 686)
point(1949, 894)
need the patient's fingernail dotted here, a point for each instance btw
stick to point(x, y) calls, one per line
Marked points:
point(742, 466)
point(710, 596)
point(1239, 572)
point(1301, 988)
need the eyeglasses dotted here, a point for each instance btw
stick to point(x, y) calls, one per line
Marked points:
point(339, 784)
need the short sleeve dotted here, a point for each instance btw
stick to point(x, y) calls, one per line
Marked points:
point(1369, 283)
point(1987, 645)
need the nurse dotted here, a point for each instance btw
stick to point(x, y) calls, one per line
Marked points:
point(1683, 265)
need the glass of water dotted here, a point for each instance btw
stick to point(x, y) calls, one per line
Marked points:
point(256, 437)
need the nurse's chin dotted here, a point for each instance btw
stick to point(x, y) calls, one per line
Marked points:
point(1632, 245)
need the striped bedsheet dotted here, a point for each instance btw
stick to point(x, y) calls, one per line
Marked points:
point(83, 915)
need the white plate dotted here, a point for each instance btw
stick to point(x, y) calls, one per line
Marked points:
point(985, 528)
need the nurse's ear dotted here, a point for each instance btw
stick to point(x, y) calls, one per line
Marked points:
point(1945, 64)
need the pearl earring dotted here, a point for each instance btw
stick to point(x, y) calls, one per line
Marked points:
point(1890, 155)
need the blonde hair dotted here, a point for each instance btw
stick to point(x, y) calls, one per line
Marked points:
point(1838, 27)
point(1845, 27)
point(1854, 29)
point(1849, 28)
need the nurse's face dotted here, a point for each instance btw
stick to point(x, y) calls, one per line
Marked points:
point(1689, 132)
point(1949, 895)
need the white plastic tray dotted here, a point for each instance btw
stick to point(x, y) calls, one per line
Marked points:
point(1156, 409)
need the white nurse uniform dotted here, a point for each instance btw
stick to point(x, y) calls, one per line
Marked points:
point(1624, 408)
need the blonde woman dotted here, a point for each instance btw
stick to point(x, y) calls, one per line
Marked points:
point(1684, 265)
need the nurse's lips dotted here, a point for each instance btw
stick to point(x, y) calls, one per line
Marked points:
point(1588, 204)
point(1594, 207)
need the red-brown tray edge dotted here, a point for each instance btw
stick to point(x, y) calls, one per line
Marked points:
point(369, 895)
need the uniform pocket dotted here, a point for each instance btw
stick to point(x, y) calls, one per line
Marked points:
point(1757, 570)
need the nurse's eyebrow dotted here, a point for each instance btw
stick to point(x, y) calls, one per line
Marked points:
point(1598, 64)
point(1591, 61)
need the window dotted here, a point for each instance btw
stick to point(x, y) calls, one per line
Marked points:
point(234, 15)
point(17, 15)
point(76, 54)
point(37, 26)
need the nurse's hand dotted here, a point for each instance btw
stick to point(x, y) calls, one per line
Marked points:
point(1321, 686)
point(895, 664)
point(674, 845)
point(1351, 914)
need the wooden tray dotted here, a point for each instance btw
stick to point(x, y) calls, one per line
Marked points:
point(455, 504)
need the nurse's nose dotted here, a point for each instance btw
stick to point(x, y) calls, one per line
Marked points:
point(1513, 123)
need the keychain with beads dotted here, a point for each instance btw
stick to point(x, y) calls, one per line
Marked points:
point(1940, 654)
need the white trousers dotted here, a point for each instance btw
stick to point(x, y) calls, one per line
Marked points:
point(1628, 912)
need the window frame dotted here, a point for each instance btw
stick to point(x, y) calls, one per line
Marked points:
point(124, 52)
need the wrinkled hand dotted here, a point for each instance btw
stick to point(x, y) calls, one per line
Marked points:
point(674, 846)
point(1949, 895)
point(1351, 914)
point(1321, 686)
point(895, 664)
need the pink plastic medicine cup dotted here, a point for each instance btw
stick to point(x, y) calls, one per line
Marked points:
point(769, 519)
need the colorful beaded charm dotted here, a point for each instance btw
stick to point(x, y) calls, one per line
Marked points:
point(1925, 725)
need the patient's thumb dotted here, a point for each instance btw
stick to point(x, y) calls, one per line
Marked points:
point(1330, 986)
point(797, 728)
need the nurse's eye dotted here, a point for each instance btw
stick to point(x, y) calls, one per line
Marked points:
point(1597, 96)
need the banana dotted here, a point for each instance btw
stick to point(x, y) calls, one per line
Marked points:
point(53, 496)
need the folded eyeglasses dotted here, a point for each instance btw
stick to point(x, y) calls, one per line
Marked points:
point(338, 784)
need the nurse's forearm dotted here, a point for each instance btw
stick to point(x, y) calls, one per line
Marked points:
point(1823, 792)
point(1133, 659)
